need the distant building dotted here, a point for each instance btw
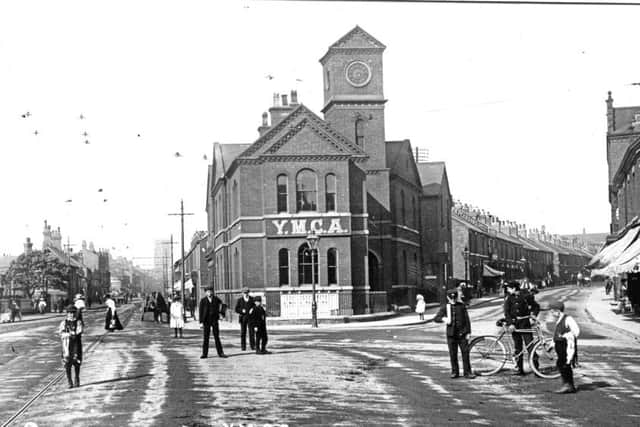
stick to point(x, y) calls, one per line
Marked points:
point(623, 158)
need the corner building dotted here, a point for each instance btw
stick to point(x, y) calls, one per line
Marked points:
point(336, 176)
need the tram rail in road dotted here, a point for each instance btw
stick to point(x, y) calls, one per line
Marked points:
point(129, 311)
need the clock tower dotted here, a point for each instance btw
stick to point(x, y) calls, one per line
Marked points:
point(353, 97)
point(354, 101)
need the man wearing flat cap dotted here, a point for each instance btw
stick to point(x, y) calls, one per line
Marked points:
point(518, 311)
point(211, 308)
point(243, 305)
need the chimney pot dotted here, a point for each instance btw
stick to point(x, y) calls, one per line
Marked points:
point(294, 97)
point(284, 100)
point(264, 119)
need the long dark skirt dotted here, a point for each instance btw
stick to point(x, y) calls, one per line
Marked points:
point(111, 321)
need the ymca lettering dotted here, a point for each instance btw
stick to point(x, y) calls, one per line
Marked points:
point(304, 226)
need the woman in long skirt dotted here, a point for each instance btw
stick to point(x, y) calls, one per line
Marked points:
point(111, 321)
point(176, 318)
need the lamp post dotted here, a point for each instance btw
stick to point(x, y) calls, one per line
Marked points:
point(312, 240)
point(465, 254)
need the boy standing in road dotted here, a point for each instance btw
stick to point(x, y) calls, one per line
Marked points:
point(258, 325)
point(455, 314)
point(70, 331)
point(565, 339)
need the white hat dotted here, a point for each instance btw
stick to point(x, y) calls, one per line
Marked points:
point(419, 296)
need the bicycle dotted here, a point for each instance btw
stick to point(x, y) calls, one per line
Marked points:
point(489, 353)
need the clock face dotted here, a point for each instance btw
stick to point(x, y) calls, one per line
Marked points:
point(358, 73)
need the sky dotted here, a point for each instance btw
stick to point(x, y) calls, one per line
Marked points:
point(511, 97)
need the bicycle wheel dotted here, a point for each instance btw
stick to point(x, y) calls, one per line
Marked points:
point(545, 366)
point(487, 355)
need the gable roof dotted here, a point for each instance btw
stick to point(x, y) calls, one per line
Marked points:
point(432, 176)
point(357, 38)
point(394, 152)
point(299, 119)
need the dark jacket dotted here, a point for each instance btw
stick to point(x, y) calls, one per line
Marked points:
point(518, 307)
point(210, 312)
point(460, 324)
point(258, 317)
point(243, 307)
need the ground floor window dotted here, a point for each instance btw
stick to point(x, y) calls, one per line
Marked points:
point(283, 266)
point(332, 266)
point(307, 265)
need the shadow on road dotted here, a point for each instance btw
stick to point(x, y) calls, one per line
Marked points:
point(593, 386)
point(113, 380)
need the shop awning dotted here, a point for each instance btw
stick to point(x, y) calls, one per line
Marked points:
point(612, 252)
point(491, 272)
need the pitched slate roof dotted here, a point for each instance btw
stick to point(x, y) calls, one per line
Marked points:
point(431, 176)
point(394, 152)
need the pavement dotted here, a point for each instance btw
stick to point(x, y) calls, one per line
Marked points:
point(600, 307)
point(367, 321)
point(143, 376)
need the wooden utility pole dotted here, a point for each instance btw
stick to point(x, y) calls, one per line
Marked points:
point(182, 214)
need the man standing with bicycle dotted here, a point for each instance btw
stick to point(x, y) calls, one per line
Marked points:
point(519, 308)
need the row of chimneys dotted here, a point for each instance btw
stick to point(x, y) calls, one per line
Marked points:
point(510, 228)
point(279, 110)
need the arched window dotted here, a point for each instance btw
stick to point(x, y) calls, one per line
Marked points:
point(404, 267)
point(332, 266)
point(330, 192)
point(282, 190)
point(236, 269)
point(306, 185)
point(359, 133)
point(402, 208)
point(283, 266)
point(414, 214)
point(234, 200)
point(305, 265)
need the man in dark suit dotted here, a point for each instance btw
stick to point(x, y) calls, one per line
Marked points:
point(211, 308)
point(244, 304)
point(519, 308)
point(458, 331)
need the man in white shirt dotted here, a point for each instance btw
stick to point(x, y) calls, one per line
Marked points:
point(565, 340)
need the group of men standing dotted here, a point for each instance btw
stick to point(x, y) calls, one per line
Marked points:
point(252, 317)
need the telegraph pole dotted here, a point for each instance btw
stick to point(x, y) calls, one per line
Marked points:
point(182, 214)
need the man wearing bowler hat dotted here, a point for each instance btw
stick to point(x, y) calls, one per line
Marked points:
point(211, 308)
point(244, 304)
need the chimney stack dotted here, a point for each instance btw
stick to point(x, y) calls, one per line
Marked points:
point(285, 103)
point(265, 124)
point(28, 246)
point(294, 97)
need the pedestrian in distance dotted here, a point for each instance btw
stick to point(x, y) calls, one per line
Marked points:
point(519, 310)
point(78, 302)
point(192, 303)
point(111, 321)
point(421, 306)
point(458, 331)
point(608, 284)
point(565, 340)
point(176, 320)
point(258, 326)
point(210, 311)
point(243, 305)
point(15, 311)
point(70, 331)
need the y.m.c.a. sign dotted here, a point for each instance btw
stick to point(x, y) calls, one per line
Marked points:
point(303, 226)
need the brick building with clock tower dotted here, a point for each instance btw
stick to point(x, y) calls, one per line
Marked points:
point(336, 176)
